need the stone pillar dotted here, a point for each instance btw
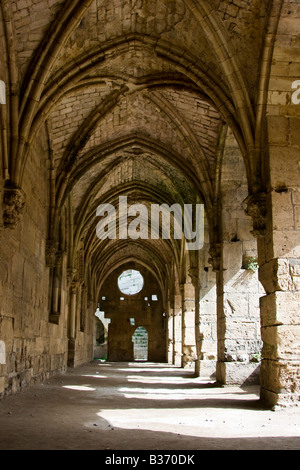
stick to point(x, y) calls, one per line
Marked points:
point(73, 311)
point(72, 324)
point(194, 275)
point(280, 375)
point(279, 241)
point(237, 322)
point(188, 324)
point(208, 324)
point(170, 342)
point(238, 291)
point(177, 328)
point(83, 307)
point(279, 273)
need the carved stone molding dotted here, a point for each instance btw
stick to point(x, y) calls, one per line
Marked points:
point(13, 205)
point(73, 286)
point(80, 265)
point(257, 210)
point(215, 256)
point(194, 275)
point(51, 253)
point(71, 273)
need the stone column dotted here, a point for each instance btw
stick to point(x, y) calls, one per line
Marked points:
point(280, 316)
point(194, 275)
point(208, 324)
point(73, 311)
point(177, 328)
point(170, 343)
point(72, 324)
point(188, 324)
point(279, 273)
point(279, 241)
point(237, 322)
point(83, 309)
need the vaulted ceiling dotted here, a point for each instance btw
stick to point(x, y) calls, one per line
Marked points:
point(136, 97)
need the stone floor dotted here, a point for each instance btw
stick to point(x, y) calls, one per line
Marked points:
point(134, 406)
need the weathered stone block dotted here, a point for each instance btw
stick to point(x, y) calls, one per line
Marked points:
point(280, 382)
point(295, 131)
point(280, 171)
point(278, 129)
point(275, 275)
point(281, 342)
point(236, 305)
point(2, 385)
point(237, 373)
point(189, 335)
point(274, 311)
point(282, 209)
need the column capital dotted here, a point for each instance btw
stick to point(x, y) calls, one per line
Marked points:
point(13, 205)
point(51, 253)
point(215, 256)
point(194, 275)
point(71, 272)
point(256, 208)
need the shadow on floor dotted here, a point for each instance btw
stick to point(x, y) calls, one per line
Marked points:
point(127, 406)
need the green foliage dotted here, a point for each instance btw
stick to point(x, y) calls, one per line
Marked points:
point(252, 265)
point(256, 357)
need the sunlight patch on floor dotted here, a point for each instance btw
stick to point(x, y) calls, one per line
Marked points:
point(161, 393)
point(197, 423)
point(172, 380)
point(81, 388)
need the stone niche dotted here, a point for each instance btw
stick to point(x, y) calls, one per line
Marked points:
point(128, 312)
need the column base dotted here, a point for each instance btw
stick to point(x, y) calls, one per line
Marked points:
point(177, 361)
point(208, 369)
point(188, 357)
point(279, 400)
point(71, 352)
point(280, 383)
point(238, 373)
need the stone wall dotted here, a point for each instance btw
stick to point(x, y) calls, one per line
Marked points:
point(34, 347)
point(145, 311)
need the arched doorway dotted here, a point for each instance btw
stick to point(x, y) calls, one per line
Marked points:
point(140, 344)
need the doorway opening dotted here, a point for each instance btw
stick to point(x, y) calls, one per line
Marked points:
point(140, 344)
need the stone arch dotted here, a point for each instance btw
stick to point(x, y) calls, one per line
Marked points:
point(220, 102)
point(140, 341)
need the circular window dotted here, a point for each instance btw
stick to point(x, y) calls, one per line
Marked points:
point(130, 282)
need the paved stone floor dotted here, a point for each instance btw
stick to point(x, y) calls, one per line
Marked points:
point(134, 406)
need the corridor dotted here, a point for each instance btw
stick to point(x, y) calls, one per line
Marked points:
point(142, 406)
point(156, 140)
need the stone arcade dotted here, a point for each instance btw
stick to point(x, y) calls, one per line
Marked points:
point(164, 102)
